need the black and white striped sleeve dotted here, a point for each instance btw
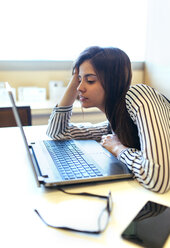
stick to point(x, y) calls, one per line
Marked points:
point(60, 127)
point(150, 111)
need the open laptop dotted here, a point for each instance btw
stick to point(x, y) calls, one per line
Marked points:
point(70, 161)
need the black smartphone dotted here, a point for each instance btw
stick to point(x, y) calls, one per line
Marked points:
point(151, 226)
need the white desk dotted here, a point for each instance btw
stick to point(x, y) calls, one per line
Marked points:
point(20, 227)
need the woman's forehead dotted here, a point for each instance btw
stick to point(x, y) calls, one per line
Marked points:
point(86, 68)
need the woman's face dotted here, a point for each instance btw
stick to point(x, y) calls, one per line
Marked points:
point(91, 92)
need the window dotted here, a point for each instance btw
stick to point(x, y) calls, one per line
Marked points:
point(60, 30)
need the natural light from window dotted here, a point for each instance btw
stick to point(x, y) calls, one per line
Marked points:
point(60, 30)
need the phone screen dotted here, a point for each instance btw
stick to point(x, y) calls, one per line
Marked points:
point(151, 227)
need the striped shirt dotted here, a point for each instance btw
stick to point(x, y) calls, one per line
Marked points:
point(150, 111)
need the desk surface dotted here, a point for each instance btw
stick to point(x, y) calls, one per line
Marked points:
point(20, 195)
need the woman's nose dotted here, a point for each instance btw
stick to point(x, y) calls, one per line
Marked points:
point(81, 87)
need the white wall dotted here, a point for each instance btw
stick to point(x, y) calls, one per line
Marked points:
point(157, 66)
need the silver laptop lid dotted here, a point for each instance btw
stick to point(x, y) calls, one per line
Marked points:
point(19, 124)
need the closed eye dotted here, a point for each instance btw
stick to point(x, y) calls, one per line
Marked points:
point(89, 78)
point(91, 81)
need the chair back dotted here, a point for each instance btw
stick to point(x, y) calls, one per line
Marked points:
point(7, 118)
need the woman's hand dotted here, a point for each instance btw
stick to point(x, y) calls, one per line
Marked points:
point(112, 143)
point(74, 81)
point(71, 92)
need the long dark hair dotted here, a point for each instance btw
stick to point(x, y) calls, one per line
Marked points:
point(113, 68)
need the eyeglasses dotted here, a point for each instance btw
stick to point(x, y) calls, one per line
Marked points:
point(103, 218)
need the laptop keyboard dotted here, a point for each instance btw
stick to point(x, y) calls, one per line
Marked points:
point(71, 161)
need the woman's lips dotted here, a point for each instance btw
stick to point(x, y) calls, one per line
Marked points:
point(82, 98)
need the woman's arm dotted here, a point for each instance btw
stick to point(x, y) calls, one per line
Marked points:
point(60, 128)
point(150, 111)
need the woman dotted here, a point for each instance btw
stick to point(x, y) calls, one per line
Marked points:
point(137, 130)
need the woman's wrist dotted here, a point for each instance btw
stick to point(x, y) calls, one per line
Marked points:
point(118, 149)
